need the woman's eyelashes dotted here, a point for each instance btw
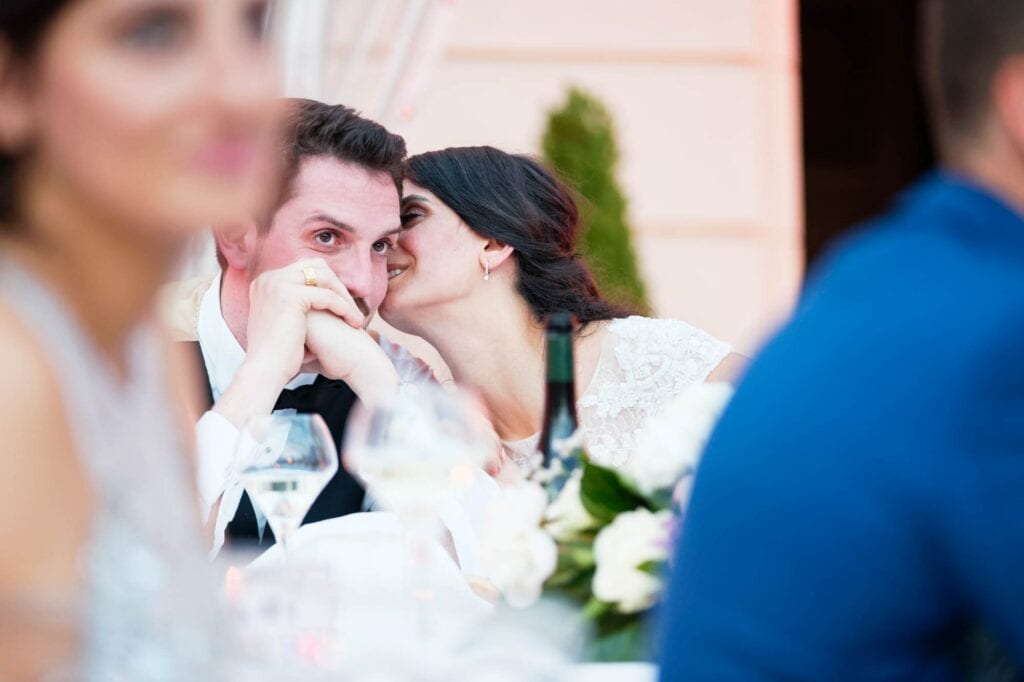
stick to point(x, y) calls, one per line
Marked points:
point(411, 214)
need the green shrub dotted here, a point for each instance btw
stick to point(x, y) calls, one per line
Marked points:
point(579, 143)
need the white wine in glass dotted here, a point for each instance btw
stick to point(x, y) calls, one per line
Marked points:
point(286, 461)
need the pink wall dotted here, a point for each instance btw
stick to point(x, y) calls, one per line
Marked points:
point(705, 95)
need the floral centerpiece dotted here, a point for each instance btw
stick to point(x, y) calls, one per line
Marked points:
point(604, 541)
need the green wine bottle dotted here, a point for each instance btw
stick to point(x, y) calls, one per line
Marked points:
point(561, 443)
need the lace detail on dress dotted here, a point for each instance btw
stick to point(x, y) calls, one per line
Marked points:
point(644, 364)
point(523, 452)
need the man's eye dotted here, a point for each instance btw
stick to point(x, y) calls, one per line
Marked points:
point(326, 238)
point(161, 29)
point(383, 246)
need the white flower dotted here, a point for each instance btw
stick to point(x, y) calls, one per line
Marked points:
point(632, 539)
point(567, 516)
point(516, 552)
point(671, 443)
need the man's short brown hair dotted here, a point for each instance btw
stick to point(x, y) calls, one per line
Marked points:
point(315, 129)
point(966, 41)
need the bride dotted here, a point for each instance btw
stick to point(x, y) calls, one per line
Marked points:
point(124, 127)
point(488, 249)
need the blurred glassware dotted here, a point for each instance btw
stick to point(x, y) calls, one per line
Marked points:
point(285, 461)
point(416, 452)
point(347, 618)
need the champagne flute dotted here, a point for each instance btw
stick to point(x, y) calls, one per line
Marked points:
point(286, 460)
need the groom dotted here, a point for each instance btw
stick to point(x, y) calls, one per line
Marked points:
point(859, 513)
point(282, 327)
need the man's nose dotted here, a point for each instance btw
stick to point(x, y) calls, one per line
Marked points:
point(358, 276)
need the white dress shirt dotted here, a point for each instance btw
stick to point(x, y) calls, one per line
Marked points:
point(217, 437)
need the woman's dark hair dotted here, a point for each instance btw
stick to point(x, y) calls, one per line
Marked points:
point(22, 25)
point(515, 200)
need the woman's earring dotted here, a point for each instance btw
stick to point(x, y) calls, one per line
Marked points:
point(487, 269)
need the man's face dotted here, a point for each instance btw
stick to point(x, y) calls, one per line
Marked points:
point(346, 215)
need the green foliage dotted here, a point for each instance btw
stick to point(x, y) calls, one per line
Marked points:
point(620, 637)
point(655, 568)
point(616, 636)
point(604, 494)
point(575, 570)
point(580, 144)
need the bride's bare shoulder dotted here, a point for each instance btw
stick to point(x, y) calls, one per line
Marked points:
point(43, 479)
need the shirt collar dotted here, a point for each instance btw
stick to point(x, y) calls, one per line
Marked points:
point(975, 212)
point(222, 353)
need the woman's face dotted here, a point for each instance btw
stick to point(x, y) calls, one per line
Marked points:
point(159, 114)
point(437, 260)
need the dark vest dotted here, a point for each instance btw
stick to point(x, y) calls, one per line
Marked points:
point(332, 400)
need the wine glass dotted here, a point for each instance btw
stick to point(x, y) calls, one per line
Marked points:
point(419, 449)
point(286, 460)
point(416, 452)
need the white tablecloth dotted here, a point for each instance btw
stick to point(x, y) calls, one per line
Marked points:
point(353, 575)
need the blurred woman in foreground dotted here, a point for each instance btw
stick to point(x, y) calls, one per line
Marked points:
point(125, 125)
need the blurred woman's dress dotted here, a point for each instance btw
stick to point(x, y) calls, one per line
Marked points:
point(147, 611)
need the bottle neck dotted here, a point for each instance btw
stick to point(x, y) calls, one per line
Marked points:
point(560, 360)
point(560, 399)
point(561, 383)
point(561, 425)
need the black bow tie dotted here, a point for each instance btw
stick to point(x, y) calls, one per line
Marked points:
point(311, 398)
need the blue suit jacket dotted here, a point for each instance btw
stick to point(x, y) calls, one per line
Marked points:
point(862, 500)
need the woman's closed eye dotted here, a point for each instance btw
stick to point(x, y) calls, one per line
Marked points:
point(411, 215)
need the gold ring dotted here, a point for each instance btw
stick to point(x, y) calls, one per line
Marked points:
point(310, 275)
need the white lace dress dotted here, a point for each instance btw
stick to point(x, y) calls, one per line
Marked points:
point(148, 610)
point(644, 364)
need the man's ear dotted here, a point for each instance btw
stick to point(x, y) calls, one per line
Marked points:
point(1008, 93)
point(237, 244)
point(495, 253)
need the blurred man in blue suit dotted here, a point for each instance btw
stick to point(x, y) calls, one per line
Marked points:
point(860, 509)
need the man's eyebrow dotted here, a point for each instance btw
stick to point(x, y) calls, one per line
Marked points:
point(334, 222)
point(345, 227)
